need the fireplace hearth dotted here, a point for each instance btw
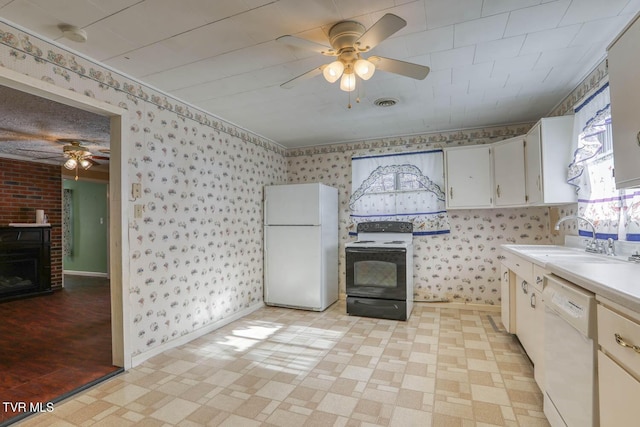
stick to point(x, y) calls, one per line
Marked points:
point(25, 262)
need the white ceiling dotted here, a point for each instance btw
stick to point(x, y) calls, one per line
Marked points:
point(492, 61)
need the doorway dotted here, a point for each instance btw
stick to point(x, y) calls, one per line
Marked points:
point(85, 228)
point(118, 244)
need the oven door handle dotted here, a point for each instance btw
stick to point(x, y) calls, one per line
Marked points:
point(374, 250)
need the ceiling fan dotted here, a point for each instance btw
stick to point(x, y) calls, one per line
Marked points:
point(349, 40)
point(77, 155)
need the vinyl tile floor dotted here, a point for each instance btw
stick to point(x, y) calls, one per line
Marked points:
point(283, 367)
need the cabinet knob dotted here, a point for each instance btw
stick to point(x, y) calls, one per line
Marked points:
point(532, 301)
point(498, 190)
point(451, 192)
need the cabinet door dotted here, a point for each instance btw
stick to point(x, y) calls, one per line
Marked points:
point(624, 63)
point(507, 299)
point(536, 352)
point(469, 177)
point(524, 314)
point(618, 394)
point(547, 154)
point(533, 166)
point(509, 176)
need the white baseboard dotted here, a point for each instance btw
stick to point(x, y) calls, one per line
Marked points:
point(85, 273)
point(139, 358)
point(459, 305)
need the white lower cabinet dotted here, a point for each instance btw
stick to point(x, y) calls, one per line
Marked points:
point(618, 365)
point(530, 321)
point(523, 307)
point(618, 392)
point(507, 302)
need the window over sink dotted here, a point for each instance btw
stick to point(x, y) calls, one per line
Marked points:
point(614, 213)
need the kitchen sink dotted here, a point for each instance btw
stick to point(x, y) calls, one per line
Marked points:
point(565, 257)
point(562, 254)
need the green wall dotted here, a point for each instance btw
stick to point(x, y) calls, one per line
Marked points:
point(89, 227)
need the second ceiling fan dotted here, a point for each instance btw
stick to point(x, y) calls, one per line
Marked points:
point(349, 39)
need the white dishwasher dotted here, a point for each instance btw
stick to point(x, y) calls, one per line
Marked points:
point(571, 392)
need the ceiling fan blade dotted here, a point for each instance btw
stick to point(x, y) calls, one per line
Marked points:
point(48, 158)
point(407, 69)
point(308, 75)
point(99, 157)
point(307, 44)
point(38, 151)
point(12, 135)
point(386, 26)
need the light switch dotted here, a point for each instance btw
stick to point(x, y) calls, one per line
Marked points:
point(136, 190)
point(137, 211)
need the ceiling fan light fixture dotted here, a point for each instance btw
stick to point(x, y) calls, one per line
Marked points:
point(71, 164)
point(85, 163)
point(348, 82)
point(364, 69)
point(333, 71)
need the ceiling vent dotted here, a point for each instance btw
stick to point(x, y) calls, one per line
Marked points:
point(385, 102)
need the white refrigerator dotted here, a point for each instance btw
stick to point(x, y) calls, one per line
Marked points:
point(301, 246)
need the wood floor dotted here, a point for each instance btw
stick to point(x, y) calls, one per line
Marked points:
point(54, 344)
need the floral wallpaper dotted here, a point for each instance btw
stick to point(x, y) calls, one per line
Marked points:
point(462, 266)
point(196, 255)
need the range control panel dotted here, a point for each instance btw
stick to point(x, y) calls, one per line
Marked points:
point(385, 227)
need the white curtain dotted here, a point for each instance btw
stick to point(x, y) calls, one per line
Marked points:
point(400, 187)
point(615, 213)
point(631, 217)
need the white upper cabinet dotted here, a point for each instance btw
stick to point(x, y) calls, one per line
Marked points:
point(509, 172)
point(468, 174)
point(527, 170)
point(547, 156)
point(624, 85)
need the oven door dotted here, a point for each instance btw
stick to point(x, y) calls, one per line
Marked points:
point(377, 273)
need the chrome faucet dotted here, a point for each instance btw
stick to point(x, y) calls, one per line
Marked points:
point(593, 245)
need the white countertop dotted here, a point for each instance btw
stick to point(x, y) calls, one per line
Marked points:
point(610, 277)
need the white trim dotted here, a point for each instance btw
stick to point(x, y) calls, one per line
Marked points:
point(460, 305)
point(436, 304)
point(184, 339)
point(85, 273)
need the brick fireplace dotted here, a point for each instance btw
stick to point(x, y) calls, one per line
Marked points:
point(25, 187)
